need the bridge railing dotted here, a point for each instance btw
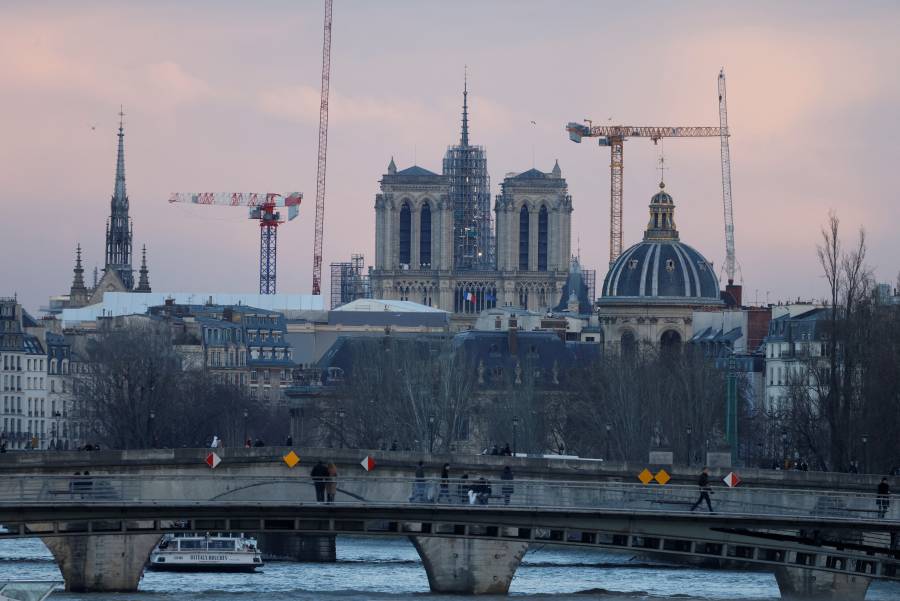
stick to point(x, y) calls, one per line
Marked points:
point(474, 492)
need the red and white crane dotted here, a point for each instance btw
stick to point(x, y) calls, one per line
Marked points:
point(323, 152)
point(264, 208)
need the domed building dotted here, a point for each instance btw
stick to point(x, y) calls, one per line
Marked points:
point(652, 289)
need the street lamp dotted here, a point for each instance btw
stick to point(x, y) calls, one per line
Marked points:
point(152, 434)
point(515, 423)
point(608, 436)
point(690, 434)
point(784, 449)
point(430, 433)
point(865, 441)
point(246, 415)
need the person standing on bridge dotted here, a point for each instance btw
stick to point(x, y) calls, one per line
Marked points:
point(444, 492)
point(319, 474)
point(884, 497)
point(418, 491)
point(331, 485)
point(703, 483)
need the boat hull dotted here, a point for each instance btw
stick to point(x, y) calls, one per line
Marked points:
point(200, 567)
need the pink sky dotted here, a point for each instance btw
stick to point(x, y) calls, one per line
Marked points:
point(223, 96)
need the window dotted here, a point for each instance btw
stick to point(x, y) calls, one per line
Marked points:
point(523, 239)
point(632, 264)
point(405, 234)
point(670, 265)
point(542, 239)
point(425, 237)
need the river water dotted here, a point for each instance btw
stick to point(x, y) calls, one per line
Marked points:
point(385, 569)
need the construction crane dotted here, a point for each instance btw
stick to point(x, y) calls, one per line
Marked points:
point(323, 152)
point(726, 180)
point(614, 136)
point(263, 207)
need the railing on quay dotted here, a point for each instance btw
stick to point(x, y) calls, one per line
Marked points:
point(474, 494)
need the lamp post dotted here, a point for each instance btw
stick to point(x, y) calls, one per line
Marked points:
point(784, 449)
point(690, 434)
point(430, 433)
point(152, 433)
point(865, 442)
point(246, 415)
point(608, 436)
point(515, 423)
point(341, 415)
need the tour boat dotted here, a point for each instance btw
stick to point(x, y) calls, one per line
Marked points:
point(219, 552)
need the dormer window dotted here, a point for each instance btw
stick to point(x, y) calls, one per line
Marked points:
point(632, 264)
point(701, 265)
point(670, 265)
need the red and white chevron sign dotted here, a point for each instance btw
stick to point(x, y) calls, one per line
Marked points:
point(731, 480)
point(213, 460)
point(368, 463)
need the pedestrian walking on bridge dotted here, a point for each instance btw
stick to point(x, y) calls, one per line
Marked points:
point(319, 475)
point(703, 484)
point(884, 497)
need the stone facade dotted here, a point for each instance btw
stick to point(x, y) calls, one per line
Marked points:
point(414, 244)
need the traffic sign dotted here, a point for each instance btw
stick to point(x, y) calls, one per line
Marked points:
point(213, 460)
point(645, 476)
point(291, 459)
point(368, 463)
point(731, 480)
point(662, 476)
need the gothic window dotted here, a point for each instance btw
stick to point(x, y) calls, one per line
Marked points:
point(523, 239)
point(405, 234)
point(425, 237)
point(542, 239)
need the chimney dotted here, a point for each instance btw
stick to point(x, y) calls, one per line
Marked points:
point(735, 291)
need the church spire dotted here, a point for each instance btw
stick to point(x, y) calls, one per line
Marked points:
point(119, 193)
point(78, 293)
point(144, 278)
point(118, 228)
point(464, 138)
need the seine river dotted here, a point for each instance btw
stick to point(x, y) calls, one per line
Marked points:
point(384, 569)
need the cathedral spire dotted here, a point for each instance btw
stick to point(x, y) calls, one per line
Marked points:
point(144, 277)
point(464, 138)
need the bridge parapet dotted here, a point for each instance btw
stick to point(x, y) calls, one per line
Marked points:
point(834, 506)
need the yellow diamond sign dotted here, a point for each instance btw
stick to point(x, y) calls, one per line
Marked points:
point(645, 476)
point(662, 476)
point(291, 459)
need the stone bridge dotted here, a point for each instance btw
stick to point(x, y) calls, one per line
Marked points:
point(819, 543)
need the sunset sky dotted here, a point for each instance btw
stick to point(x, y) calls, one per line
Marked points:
point(224, 96)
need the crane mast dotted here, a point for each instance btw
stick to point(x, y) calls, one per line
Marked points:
point(323, 151)
point(726, 180)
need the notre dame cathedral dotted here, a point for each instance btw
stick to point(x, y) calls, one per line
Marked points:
point(436, 242)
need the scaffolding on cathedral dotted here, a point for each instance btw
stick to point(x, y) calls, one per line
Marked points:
point(349, 282)
point(470, 195)
point(589, 277)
